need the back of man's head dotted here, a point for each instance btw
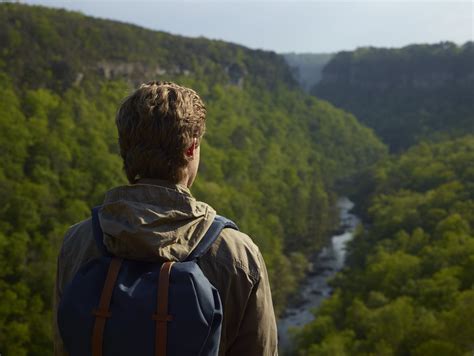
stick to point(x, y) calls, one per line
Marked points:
point(156, 124)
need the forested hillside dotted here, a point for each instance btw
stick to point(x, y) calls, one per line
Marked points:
point(270, 158)
point(409, 288)
point(52, 48)
point(405, 94)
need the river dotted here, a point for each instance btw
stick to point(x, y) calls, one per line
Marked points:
point(323, 267)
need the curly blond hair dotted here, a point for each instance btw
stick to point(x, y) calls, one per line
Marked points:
point(156, 124)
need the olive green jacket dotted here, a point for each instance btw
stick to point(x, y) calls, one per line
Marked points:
point(159, 221)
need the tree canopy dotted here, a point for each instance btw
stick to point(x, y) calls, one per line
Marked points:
point(409, 287)
point(270, 159)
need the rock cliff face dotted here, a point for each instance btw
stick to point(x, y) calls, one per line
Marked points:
point(432, 80)
point(134, 72)
point(138, 72)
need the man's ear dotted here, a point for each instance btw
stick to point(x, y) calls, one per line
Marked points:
point(191, 149)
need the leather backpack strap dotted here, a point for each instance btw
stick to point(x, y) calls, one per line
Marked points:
point(161, 317)
point(103, 313)
point(211, 235)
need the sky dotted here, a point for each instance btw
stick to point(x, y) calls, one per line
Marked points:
point(294, 26)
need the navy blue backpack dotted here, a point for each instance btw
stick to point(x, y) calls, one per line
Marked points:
point(121, 307)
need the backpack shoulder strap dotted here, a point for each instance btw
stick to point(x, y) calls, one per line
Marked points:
point(97, 231)
point(211, 235)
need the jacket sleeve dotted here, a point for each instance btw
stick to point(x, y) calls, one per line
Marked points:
point(257, 335)
point(57, 342)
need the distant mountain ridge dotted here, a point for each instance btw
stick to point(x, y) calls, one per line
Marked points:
point(405, 94)
point(59, 48)
point(417, 66)
point(307, 68)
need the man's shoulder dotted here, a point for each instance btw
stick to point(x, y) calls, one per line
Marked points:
point(75, 234)
point(78, 244)
point(236, 251)
point(81, 226)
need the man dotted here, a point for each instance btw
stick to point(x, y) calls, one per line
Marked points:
point(155, 218)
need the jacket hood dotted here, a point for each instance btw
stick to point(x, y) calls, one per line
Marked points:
point(153, 221)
